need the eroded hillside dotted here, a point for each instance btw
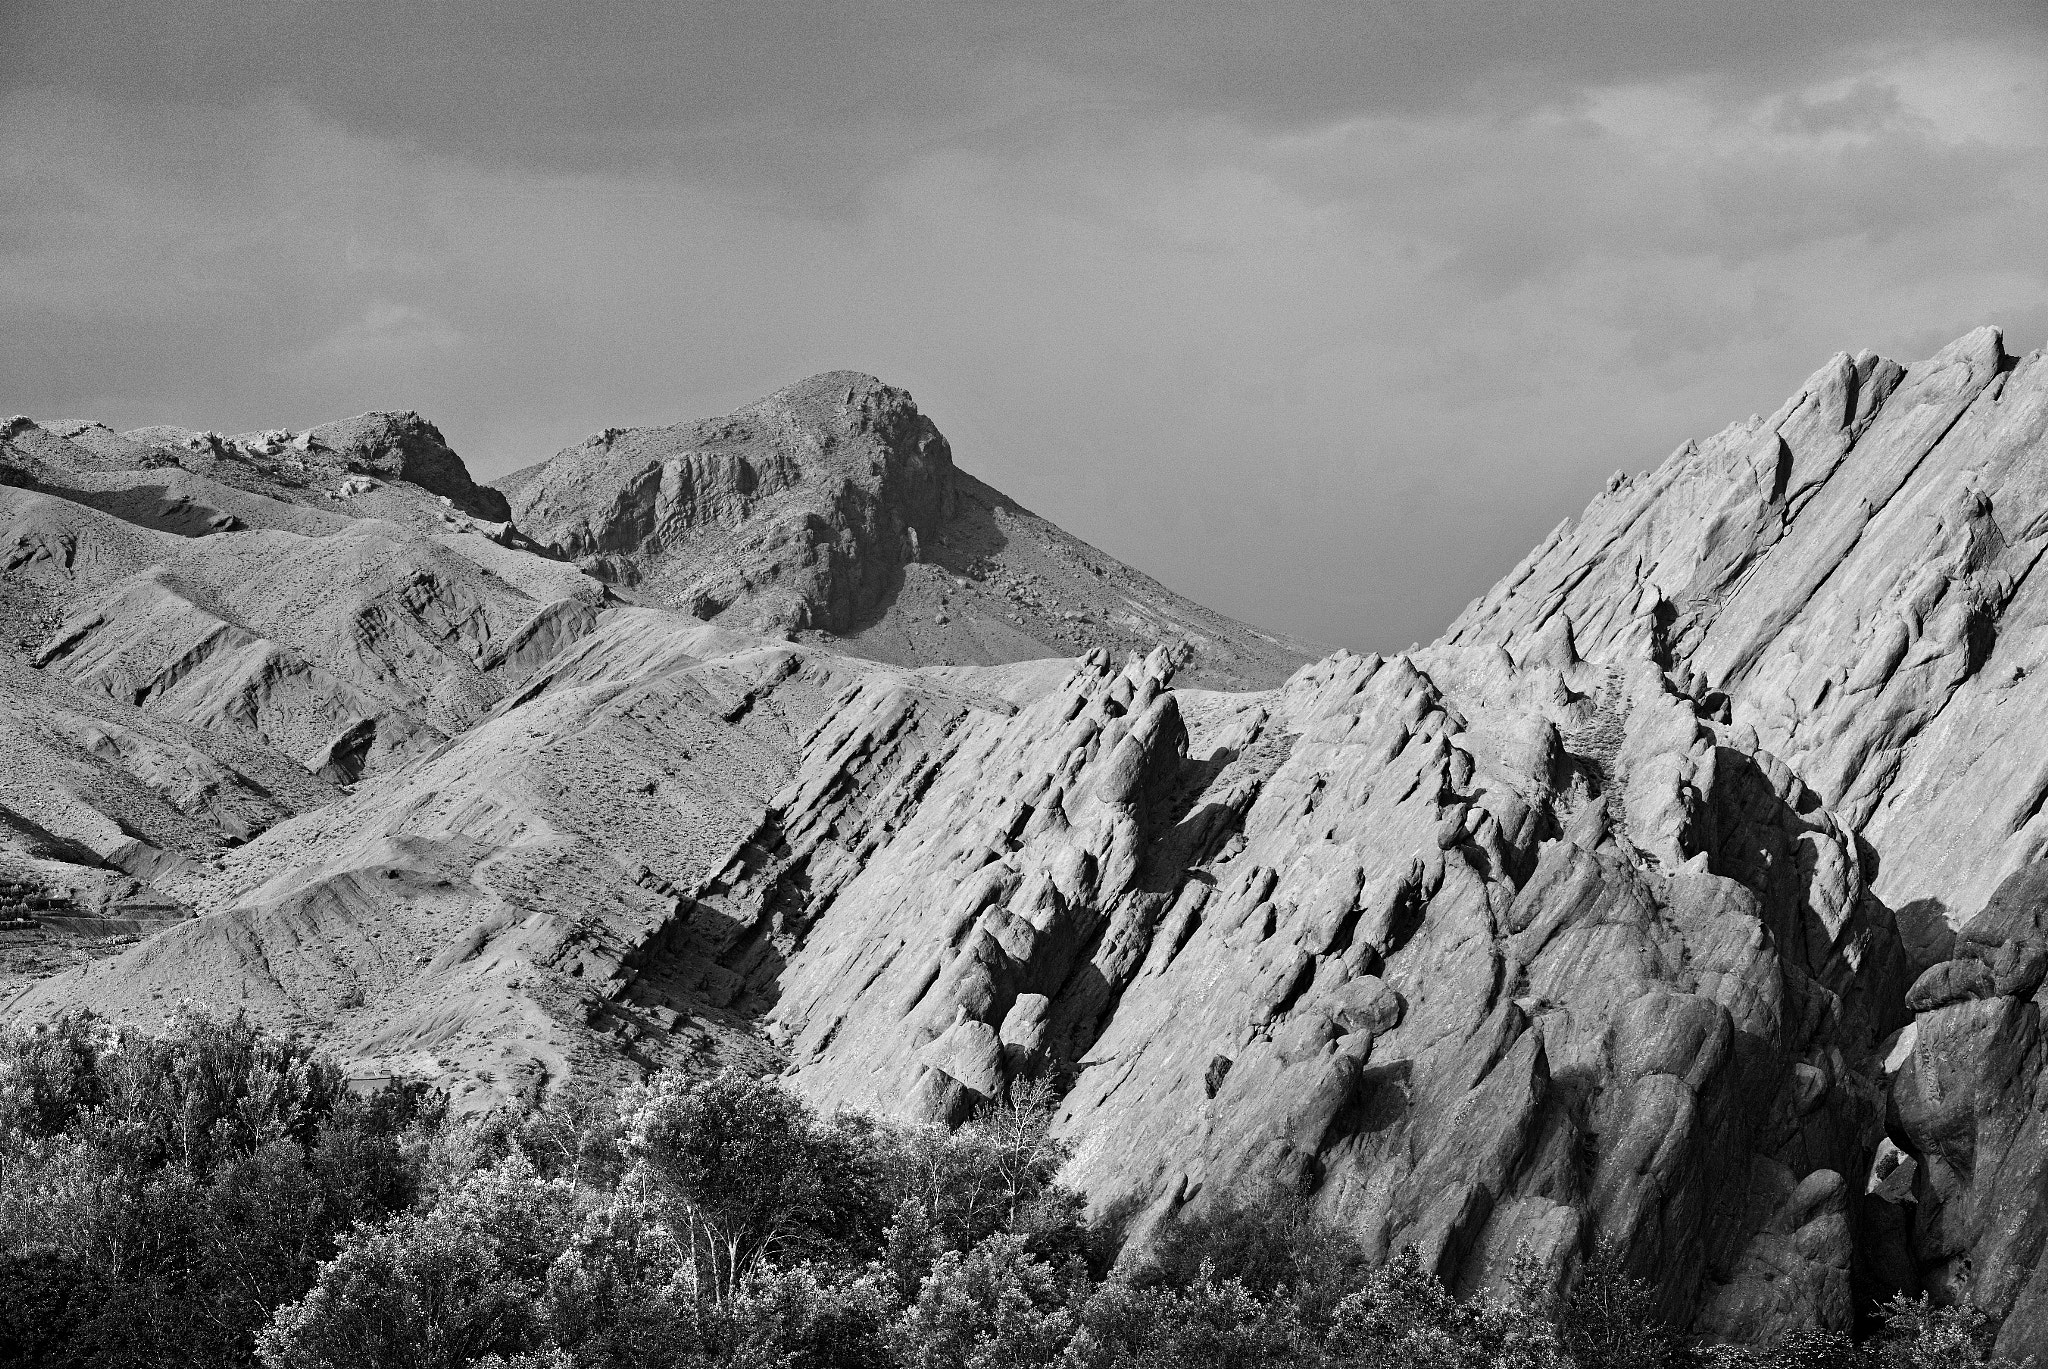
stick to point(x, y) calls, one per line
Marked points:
point(1686, 895)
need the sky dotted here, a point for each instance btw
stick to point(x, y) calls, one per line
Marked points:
point(1322, 313)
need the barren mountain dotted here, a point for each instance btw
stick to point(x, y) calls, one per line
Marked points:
point(1688, 894)
point(832, 511)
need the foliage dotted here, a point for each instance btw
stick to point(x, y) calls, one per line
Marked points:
point(214, 1195)
point(1209, 1323)
point(1919, 1335)
point(190, 1180)
point(1285, 1249)
point(1610, 1321)
point(997, 1306)
point(1403, 1318)
point(740, 1171)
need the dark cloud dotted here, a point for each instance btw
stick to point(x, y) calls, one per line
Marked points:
point(1322, 318)
point(780, 90)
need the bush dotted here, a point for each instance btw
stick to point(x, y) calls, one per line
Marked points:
point(1404, 1318)
point(1207, 1323)
point(213, 1196)
point(1610, 1321)
point(1286, 1250)
point(1919, 1335)
point(996, 1307)
point(202, 1174)
point(803, 1318)
point(741, 1173)
point(425, 1292)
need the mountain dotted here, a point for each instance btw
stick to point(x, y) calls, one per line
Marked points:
point(1687, 895)
point(832, 511)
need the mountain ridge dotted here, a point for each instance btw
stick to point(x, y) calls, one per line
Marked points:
point(1685, 896)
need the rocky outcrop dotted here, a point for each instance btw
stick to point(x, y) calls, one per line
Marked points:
point(345, 645)
point(1853, 577)
point(1532, 937)
point(1688, 895)
point(336, 462)
point(1478, 952)
point(1968, 1086)
point(803, 507)
point(489, 914)
point(832, 510)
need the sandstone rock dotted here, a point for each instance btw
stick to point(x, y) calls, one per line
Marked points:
point(1694, 869)
point(1952, 981)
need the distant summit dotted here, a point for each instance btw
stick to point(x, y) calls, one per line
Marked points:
point(832, 510)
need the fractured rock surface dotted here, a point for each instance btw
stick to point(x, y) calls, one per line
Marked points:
point(1688, 894)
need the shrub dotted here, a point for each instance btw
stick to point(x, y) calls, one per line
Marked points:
point(740, 1171)
point(997, 1306)
point(802, 1318)
point(1404, 1318)
point(1609, 1320)
point(423, 1292)
point(1919, 1335)
point(1284, 1250)
point(1209, 1323)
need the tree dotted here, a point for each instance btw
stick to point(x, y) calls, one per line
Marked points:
point(995, 1307)
point(1285, 1249)
point(1208, 1324)
point(421, 1292)
point(995, 1173)
point(740, 1171)
point(47, 1310)
point(1404, 1318)
point(620, 1294)
point(1609, 1320)
point(433, 1289)
point(803, 1318)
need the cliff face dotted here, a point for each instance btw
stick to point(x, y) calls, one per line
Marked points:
point(1688, 894)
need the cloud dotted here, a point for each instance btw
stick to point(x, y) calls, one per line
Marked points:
point(386, 332)
point(1864, 107)
point(1331, 367)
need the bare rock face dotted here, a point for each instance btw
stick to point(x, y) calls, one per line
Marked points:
point(1577, 925)
point(1967, 1091)
point(805, 505)
point(1852, 580)
point(832, 510)
point(1480, 953)
point(1691, 893)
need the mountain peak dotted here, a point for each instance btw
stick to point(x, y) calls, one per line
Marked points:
point(832, 507)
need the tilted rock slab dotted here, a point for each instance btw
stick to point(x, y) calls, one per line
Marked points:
point(1478, 953)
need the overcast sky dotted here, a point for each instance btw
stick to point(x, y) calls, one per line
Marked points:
point(1320, 312)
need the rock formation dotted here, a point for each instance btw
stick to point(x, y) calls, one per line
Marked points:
point(832, 510)
point(1690, 894)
